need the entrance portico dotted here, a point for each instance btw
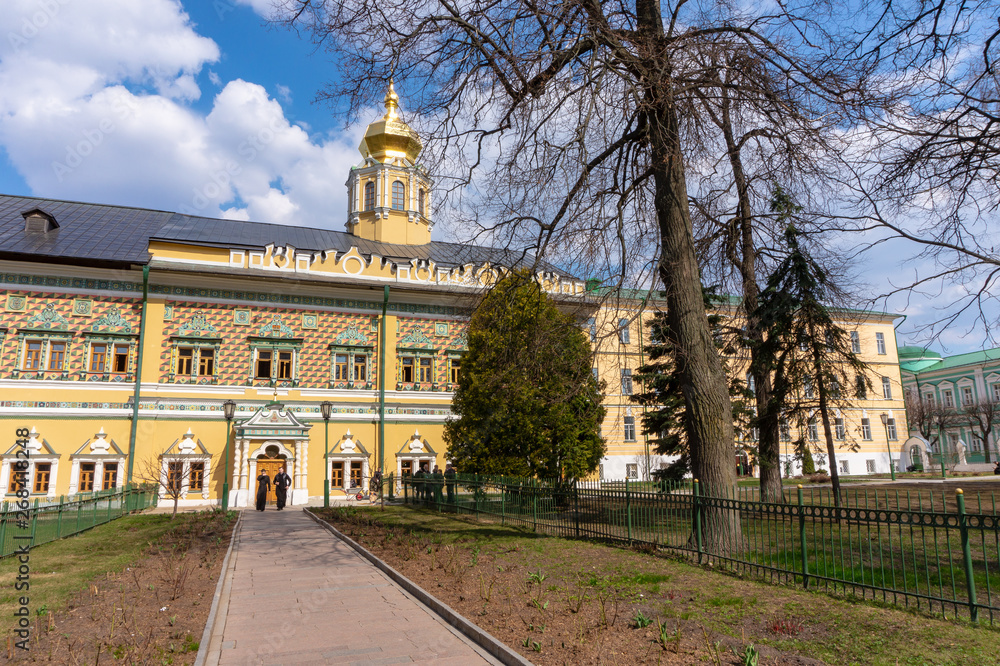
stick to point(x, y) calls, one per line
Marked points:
point(272, 436)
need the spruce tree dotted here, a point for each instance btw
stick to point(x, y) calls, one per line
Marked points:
point(528, 403)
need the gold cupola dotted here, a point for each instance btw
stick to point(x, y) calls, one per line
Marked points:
point(389, 194)
point(390, 138)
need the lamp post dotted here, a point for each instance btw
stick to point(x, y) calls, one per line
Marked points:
point(885, 426)
point(325, 408)
point(229, 410)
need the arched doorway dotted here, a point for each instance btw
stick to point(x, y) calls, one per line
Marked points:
point(272, 437)
point(270, 460)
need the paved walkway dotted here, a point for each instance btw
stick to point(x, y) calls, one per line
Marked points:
point(295, 594)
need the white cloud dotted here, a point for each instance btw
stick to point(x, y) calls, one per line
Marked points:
point(95, 105)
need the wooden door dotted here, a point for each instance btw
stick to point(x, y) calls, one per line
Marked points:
point(271, 466)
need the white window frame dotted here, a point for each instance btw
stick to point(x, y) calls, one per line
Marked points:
point(855, 342)
point(626, 381)
point(880, 343)
point(968, 397)
point(890, 427)
point(629, 429)
point(887, 388)
point(866, 429)
point(947, 398)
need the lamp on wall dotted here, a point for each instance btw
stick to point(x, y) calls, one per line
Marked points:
point(229, 411)
point(325, 408)
point(885, 426)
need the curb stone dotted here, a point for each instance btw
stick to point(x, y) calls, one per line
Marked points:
point(209, 632)
point(480, 637)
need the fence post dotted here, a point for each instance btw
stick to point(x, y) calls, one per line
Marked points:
point(576, 506)
point(503, 501)
point(3, 531)
point(802, 541)
point(970, 581)
point(696, 511)
point(94, 500)
point(392, 486)
point(59, 518)
point(534, 505)
point(34, 523)
point(628, 511)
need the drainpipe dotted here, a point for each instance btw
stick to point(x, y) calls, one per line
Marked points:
point(381, 385)
point(138, 373)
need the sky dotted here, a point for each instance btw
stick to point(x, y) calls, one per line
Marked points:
point(201, 107)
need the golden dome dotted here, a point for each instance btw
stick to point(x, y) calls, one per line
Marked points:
point(390, 137)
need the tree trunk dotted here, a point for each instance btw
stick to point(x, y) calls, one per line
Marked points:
point(710, 424)
point(824, 413)
point(768, 435)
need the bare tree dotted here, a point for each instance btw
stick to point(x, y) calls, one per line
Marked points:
point(929, 418)
point(928, 172)
point(168, 478)
point(583, 114)
point(984, 414)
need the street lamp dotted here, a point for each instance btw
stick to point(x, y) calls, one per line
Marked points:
point(325, 408)
point(229, 410)
point(885, 426)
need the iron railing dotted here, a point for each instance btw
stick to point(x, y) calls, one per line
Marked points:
point(46, 520)
point(936, 551)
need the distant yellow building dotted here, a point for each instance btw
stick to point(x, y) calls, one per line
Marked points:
point(620, 333)
point(125, 332)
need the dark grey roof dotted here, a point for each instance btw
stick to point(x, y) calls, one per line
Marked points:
point(87, 233)
point(100, 234)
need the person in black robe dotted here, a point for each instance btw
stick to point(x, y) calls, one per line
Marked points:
point(281, 484)
point(263, 486)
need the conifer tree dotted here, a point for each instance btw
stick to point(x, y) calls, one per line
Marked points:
point(528, 403)
point(807, 354)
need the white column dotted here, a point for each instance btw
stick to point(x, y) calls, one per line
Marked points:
point(52, 479)
point(74, 478)
point(99, 475)
point(347, 473)
point(207, 474)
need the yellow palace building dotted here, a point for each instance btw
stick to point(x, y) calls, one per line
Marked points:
point(138, 343)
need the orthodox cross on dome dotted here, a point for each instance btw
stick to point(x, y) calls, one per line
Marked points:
point(391, 102)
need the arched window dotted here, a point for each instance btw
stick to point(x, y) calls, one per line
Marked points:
point(370, 195)
point(420, 202)
point(398, 195)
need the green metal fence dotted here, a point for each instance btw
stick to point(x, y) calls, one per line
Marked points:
point(47, 520)
point(934, 551)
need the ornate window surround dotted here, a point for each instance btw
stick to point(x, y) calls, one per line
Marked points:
point(186, 450)
point(354, 343)
point(418, 345)
point(39, 451)
point(100, 449)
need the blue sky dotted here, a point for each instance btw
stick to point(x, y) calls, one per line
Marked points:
point(198, 106)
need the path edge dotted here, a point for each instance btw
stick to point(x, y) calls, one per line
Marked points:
point(206, 635)
point(477, 635)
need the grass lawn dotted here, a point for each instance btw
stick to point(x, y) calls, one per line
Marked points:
point(62, 568)
point(493, 575)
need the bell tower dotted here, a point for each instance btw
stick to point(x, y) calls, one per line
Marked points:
point(389, 193)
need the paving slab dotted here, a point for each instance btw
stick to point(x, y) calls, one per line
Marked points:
point(294, 594)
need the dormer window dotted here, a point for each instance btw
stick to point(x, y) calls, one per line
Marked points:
point(37, 221)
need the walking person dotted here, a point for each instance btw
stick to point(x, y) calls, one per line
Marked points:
point(418, 483)
point(375, 487)
point(282, 482)
point(263, 487)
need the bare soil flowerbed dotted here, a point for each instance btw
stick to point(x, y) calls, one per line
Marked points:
point(560, 601)
point(153, 611)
